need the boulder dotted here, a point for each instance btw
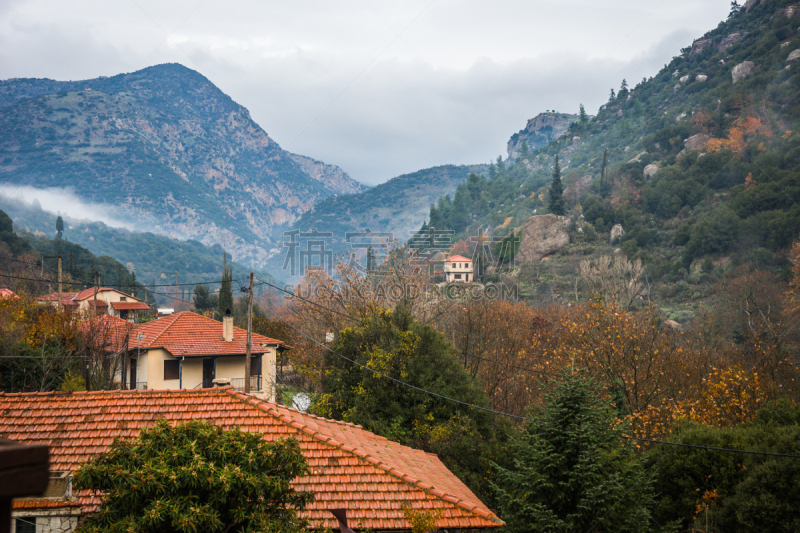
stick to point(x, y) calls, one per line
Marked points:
point(696, 142)
point(789, 11)
point(650, 170)
point(680, 117)
point(684, 79)
point(542, 235)
point(701, 78)
point(794, 56)
point(674, 326)
point(742, 70)
point(729, 41)
point(616, 233)
point(699, 46)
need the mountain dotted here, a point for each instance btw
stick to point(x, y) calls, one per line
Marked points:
point(397, 206)
point(165, 149)
point(154, 258)
point(703, 169)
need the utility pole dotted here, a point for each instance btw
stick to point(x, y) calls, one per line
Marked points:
point(249, 336)
point(94, 312)
point(176, 288)
point(60, 303)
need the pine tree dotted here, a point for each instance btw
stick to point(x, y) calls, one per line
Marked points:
point(59, 227)
point(524, 151)
point(225, 290)
point(556, 204)
point(583, 117)
point(613, 96)
point(501, 166)
point(735, 7)
point(605, 187)
point(572, 470)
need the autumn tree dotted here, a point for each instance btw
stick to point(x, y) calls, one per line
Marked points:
point(196, 477)
point(614, 280)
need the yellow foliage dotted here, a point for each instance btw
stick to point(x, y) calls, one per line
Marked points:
point(745, 128)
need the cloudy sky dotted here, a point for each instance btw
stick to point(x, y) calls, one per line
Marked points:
point(379, 88)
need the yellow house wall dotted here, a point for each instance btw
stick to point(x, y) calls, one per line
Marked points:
point(155, 370)
point(192, 372)
point(108, 297)
point(230, 367)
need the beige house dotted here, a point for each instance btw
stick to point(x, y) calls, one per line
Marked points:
point(110, 301)
point(188, 351)
point(458, 269)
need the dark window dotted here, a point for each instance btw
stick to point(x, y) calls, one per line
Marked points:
point(123, 299)
point(172, 369)
point(255, 366)
point(457, 276)
point(26, 525)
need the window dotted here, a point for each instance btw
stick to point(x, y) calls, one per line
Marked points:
point(458, 276)
point(255, 366)
point(454, 265)
point(123, 299)
point(172, 369)
point(26, 525)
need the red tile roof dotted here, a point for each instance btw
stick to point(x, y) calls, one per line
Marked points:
point(8, 293)
point(121, 306)
point(66, 298)
point(187, 334)
point(89, 293)
point(107, 332)
point(350, 467)
point(457, 258)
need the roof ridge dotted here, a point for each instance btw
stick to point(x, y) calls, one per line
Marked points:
point(392, 471)
point(171, 319)
point(214, 390)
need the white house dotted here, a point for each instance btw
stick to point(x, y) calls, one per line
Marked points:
point(458, 269)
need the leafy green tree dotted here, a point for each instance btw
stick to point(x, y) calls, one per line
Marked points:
point(225, 289)
point(572, 471)
point(507, 248)
point(556, 204)
point(390, 342)
point(203, 299)
point(196, 477)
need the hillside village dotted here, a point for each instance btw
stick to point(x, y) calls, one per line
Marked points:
point(598, 331)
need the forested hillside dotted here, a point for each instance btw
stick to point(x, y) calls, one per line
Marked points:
point(702, 163)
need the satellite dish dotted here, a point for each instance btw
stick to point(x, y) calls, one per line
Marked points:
point(301, 401)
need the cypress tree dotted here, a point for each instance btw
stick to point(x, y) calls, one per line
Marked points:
point(582, 116)
point(225, 290)
point(556, 204)
point(59, 227)
point(572, 470)
point(605, 187)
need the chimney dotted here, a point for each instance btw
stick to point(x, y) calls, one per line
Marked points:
point(227, 326)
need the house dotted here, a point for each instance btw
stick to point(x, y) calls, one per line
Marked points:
point(110, 301)
point(186, 350)
point(350, 468)
point(458, 269)
point(8, 293)
point(107, 333)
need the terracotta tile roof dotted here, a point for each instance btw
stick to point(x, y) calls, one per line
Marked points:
point(45, 503)
point(89, 293)
point(121, 306)
point(457, 258)
point(8, 293)
point(66, 298)
point(187, 334)
point(350, 467)
point(107, 332)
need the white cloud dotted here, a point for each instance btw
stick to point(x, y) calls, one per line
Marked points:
point(64, 202)
point(376, 87)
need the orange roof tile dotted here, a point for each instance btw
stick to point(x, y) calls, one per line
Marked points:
point(457, 258)
point(120, 306)
point(187, 334)
point(107, 332)
point(8, 293)
point(350, 467)
point(89, 293)
point(66, 298)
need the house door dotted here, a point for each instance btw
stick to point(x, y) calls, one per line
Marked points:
point(133, 374)
point(208, 372)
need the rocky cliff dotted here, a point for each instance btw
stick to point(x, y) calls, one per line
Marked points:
point(539, 131)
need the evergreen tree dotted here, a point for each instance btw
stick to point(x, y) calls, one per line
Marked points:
point(524, 151)
point(501, 166)
point(459, 218)
point(492, 170)
point(572, 471)
point(203, 299)
point(613, 96)
point(59, 227)
point(735, 7)
point(371, 266)
point(556, 204)
point(225, 290)
point(583, 117)
point(605, 187)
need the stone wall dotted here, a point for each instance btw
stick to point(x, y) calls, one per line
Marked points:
point(48, 524)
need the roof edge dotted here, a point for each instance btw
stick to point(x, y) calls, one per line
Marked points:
point(331, 441)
